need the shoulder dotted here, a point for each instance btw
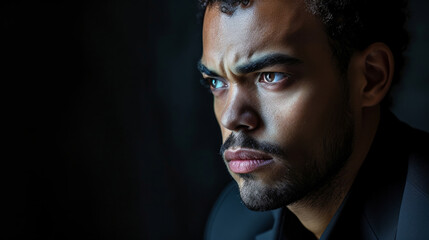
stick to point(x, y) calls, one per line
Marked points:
point(418, 159)
point(230, 219)
point(409, 143)
point(414, 212)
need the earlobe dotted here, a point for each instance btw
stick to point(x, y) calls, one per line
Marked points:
point(378, 72)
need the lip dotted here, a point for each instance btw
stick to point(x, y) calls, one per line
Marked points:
point(246, 160)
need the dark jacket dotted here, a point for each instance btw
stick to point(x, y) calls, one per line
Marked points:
point(389, 198)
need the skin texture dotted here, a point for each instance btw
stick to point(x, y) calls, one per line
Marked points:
point(321, 122)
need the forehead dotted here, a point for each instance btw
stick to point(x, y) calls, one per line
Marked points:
point(262, 27)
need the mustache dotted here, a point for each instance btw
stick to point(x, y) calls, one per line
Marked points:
point(245, 141)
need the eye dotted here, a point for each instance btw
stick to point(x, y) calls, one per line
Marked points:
point(215, 83)
point(272, 77)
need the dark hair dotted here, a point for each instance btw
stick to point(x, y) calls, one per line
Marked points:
point(352, 25)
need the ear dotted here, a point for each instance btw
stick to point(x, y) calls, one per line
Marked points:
point(378, 68)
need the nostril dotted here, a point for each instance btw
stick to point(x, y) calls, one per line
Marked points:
point(243, 128)
point(245, 119)
point(239, 111)
point(249, 119)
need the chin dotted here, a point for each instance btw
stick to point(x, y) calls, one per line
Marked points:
point(260, 196)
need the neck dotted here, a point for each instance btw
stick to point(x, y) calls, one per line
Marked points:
point(316, 210)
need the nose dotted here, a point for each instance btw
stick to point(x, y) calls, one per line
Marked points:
point(239, 113)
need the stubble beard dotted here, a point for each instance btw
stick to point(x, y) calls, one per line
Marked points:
point(292, 186)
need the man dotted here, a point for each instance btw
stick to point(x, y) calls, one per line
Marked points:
point(300, 96)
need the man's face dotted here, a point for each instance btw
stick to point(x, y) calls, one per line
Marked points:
point(281, 103)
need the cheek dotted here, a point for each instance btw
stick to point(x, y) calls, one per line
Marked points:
point(217, 111)
point(285, 118)
point(217, 107)
point(299, 121)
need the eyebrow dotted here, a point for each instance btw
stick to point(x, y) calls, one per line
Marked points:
point(267, 61)
point(255, 65)
point(205, 70)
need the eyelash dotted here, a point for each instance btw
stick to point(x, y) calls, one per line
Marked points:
point(262, 77)
point(206, 82)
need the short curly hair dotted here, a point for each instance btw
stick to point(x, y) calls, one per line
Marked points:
point(352, 25)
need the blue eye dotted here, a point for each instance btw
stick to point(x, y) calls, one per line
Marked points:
point(273, 77)
point(216, 83)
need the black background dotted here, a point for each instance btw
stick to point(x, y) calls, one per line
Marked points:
point(108, 134)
